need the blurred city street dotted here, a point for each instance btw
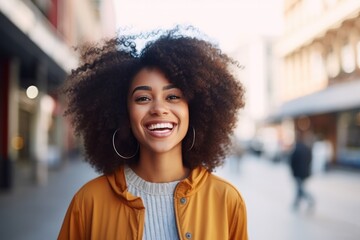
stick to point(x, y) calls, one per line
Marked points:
point(36, 212)
point(298, 60)
point(268, 191)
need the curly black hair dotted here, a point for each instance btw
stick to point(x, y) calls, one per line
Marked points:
point(97, 95)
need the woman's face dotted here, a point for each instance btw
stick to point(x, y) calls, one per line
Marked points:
point(159, 113)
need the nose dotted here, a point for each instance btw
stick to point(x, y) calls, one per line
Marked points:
point(159, 107)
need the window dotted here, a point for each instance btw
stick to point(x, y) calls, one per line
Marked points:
point(349, 137)
point(317, 66)
point(332, 64)
point(358, 54)
point(347, 58)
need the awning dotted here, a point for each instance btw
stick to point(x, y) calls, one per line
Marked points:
point(339, 97)
point(27, 35)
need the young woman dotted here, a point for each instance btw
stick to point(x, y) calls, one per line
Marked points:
point(155, 124)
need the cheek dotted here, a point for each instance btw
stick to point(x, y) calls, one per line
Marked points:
point(185, 114)
point(135, 122)
point(134, 115)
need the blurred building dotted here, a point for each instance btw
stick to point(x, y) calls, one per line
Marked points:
point(255, 54)
point(36, 54)
point(318, 90)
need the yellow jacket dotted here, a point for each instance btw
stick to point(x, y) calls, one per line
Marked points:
point(206, 207)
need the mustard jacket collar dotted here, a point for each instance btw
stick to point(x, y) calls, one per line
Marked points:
point(186, 187)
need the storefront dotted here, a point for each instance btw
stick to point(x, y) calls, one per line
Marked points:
point(348, 132)
point(33, 62)
point(333, 114)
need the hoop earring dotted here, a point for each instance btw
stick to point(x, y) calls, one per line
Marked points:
point(124, 157)
point(193, 141)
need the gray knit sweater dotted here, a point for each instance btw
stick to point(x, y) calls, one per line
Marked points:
point(158, 199)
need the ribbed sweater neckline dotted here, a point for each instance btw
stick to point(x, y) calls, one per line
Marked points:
point(151, 188)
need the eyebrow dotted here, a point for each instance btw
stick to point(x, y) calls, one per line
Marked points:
point(148, 88)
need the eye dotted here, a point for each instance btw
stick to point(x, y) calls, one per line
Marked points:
point(173, 97)
point(142, 99)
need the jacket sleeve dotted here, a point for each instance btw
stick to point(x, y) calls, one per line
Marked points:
point(238, 225)
point(73, 225)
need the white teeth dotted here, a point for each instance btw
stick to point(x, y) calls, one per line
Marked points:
point(160, 126)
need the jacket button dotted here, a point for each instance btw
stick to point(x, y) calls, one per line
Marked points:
point(188, 235)
point(183, 200)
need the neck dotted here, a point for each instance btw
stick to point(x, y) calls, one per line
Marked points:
point(161, 167)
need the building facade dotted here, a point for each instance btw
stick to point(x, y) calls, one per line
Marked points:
point(36, 54)
point(318, 88)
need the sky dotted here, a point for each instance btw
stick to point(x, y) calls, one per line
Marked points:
point(225, 21)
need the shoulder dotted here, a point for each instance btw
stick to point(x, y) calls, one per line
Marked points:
point(224, 198)
point(95, 188)
point(222, 187)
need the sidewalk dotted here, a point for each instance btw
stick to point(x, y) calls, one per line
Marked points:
point(36, 213)
point(268, 191)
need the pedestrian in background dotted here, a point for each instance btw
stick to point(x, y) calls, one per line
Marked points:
point(300, 163)
point(155, 123)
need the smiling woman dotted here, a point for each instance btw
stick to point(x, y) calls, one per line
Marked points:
point(156, 124)
point(159, 120)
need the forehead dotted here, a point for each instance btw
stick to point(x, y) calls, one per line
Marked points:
point(149, 76)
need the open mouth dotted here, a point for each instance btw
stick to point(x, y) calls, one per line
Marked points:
point(160, 127)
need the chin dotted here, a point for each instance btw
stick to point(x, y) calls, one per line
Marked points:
point(163, 149)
